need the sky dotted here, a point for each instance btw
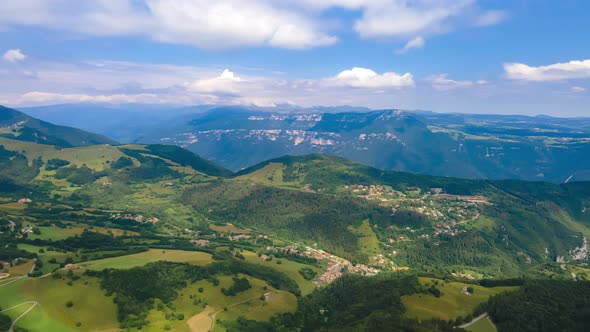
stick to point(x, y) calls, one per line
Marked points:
point(471, 56)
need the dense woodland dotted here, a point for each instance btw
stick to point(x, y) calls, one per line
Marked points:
point(542, 305)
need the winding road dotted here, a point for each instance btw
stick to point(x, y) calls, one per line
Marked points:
point(475, 320)
point(34, 304)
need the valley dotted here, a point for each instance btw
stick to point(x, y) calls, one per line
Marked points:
point(156, 238)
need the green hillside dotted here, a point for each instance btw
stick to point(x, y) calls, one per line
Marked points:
point(19, 126)
point(428, 223)
point(247, 251)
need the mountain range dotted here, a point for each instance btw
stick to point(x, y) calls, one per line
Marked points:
point(461, 145)
point(489, 226)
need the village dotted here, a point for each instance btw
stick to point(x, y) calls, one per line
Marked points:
point(137, 218)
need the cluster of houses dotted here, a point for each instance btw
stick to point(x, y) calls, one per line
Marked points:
point(71, 267)
point(375, 192)
point(463, 275)
point(7, 265)
point(137, 218)
point(447, 229)
point(200, 242)
point(239, 237)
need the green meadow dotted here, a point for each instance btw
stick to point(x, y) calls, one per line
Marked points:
point(51, 313)
point(152, 255)
point(451, 304)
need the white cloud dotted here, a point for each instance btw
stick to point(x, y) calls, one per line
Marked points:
point(227, 82)
point(15, 55)
point(553, 72)
point(441, 82)
point(126, 82)
point(401, 18)
point(203, 23)
point(491, 17)
point(414, 43)
point(366, 78)
point(291, 24)
point(578, 89)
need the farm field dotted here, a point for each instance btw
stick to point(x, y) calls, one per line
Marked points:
point(451, 304)
point(152, 255)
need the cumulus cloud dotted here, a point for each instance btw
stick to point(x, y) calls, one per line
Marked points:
point(442, 82)
point(414, 43)
point(128, 82)
point(366, 78)
point(15, 55)
point(227, 82)
point(554, 72)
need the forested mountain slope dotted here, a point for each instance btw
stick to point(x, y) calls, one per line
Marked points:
point(19, 126)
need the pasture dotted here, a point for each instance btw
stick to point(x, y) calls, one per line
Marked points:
point(451, 304)
point(51, 313)
point(152, 255)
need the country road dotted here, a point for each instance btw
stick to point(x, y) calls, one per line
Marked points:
point(475, 320)
point(209, 314)
point(34, 304)
point(11, 280)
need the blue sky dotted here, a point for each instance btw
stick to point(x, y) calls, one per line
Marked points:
point(519, 56)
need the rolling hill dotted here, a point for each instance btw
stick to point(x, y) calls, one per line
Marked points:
point(536, 148)
point(247, 250)
point(425, 222)
point(357, 212)
point(465, 146)
point(19, 126)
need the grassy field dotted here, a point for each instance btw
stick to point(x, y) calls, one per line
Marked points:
point(52, 314)
point(152, 255)
point(55, 233)
point(13, 206)
point(201, 309)
point(270, 174)
point(451, 304)
point(20, 270)
point(229, 229)
point(482, 325)
point(368, 242)
point(288, 267)
point(46, 256)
